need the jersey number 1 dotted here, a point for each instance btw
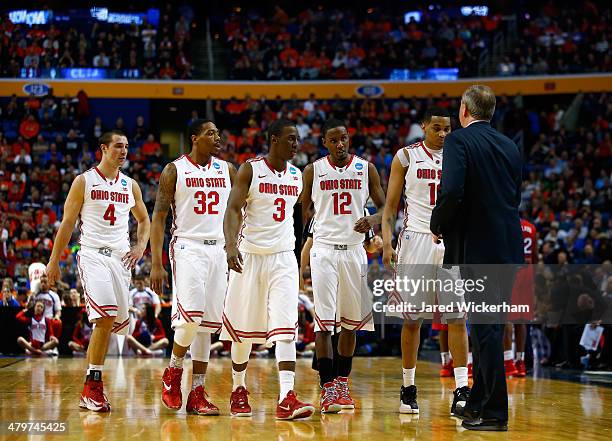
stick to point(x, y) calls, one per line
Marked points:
point(109, 214)
point(433, 192)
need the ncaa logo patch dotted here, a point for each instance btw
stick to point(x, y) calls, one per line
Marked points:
point(217, 166)
point(123, 182)
point(292, 171)
point(359, 166)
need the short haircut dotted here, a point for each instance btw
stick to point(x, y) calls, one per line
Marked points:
point(276, 128)
point(107, 137)
point(479, 101)
point(435, 111)
point(197, 126)
point(332, 123)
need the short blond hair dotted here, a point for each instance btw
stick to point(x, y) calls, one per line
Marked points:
point(479, 101)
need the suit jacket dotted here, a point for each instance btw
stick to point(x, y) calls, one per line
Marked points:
point(477, 207)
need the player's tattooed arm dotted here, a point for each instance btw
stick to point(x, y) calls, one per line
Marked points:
point(72, 209)
point(139, 210)
point(163, 201)
point(306, 196)
point(394, 192)
point(378, 196)
point(232, 221)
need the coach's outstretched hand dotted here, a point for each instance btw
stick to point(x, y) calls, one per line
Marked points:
point(389, 257)
point(234, 258)
point(159, 279)
point(133, 256)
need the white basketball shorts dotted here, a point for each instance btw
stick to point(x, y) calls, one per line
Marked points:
point(420, 261)
point(106, 283)
point(199, 282)
point(261, 305)
point(340, 289)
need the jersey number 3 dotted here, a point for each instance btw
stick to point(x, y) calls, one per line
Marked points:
point(279, 215)
point(203, 207)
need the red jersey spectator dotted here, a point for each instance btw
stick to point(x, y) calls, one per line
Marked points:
point(29, 128)
point(40, 334)
point(150, 147)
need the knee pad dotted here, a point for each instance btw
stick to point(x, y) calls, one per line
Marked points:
point(200, 348)
point(285, 350)
point(185, 333)
point(240, 352)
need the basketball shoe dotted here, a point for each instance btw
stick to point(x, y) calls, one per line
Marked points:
point(92, 397)
point(460, 398)
point(291, 408)
point(521, 371)
point(447, 369)
point(172, 396)
point(329, 399)
point(510, 368)
point(408, 400)
point(239, 403)
point(344, 395)
point(198, 404)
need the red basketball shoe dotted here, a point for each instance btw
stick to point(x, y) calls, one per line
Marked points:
point(520, 368)
point(239, 403)
point(171, 388)
point(291, 408)
point(92, 397)
point(510, 368)
point(198, 404)
point(447, 369)
point(329, 399)
point(344, 395)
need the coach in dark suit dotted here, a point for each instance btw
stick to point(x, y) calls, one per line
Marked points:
point(477, 217)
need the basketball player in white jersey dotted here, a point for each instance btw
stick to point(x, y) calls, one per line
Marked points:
point(196, 187)
point(340, 185)
point(261, 305)
point(35, 272)
point(416, 171)
point(101, 199)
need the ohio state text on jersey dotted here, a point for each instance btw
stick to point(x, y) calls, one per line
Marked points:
point(200, 199)
point(422, 181)
point(339, 195)
point(106, 211)
point(268, 213)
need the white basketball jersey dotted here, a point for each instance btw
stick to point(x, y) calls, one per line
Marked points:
point(268, 214)
point(38, 329)
point(200, 199)
point(138, 298)
point(423, 175)
point(36, 270)
point(106, 211)
point(339, 196)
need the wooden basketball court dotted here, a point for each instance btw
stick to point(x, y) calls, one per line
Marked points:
point(48, 390)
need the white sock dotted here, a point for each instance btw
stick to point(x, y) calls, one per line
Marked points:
point(286, 379)
point(470, 359)
point(176, 362)
point(238, 379)
point(507, 355)
point(446, 357)
point(198, 380)
point(408, 375)
point(95, 367)
point(461, 377)
point(520, 356)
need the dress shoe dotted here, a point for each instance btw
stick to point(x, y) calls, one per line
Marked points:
point(488, 424)
point(465, 413)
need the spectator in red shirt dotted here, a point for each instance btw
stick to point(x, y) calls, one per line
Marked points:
point(81, 335)
point(149, 337)
point(48, 210)
point(40, 338)
point(150, 147)
point(29, 128)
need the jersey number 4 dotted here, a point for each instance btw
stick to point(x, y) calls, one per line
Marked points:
point(109, 214)
point(203, 207)
point(342, 202)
